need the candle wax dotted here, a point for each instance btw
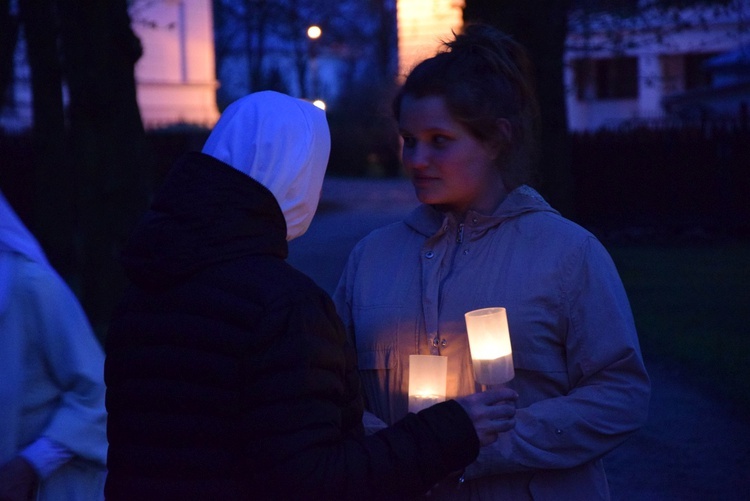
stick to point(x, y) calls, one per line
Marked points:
point(497, 371)
point(419, 402)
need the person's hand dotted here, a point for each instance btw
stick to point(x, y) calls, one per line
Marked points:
point(17, 480)
point(491, 411)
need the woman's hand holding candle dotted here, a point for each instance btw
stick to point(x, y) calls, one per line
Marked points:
point(492, 412)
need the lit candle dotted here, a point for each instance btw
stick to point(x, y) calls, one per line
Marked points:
point(489, 342)
point(427, 381)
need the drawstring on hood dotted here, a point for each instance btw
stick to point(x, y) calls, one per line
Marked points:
point(283, 143)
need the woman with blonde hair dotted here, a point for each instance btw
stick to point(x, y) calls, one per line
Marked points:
point(483, 237)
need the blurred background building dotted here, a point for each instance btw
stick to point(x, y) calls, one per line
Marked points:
point(422, 26)
point(198, 55)
point(176, 75)
point(688, 63)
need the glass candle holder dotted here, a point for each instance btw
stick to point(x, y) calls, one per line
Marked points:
point(489, 342)
point(427, 381)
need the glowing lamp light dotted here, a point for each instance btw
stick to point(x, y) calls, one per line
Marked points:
point(320, 104)
point(427, 381)
point(489, 343)
point(314, 32)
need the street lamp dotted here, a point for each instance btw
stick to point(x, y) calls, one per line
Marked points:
point(313, 33)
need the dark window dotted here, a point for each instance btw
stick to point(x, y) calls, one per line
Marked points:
point(607, 78)
point(617, 78)
point(583, 70)
point(695, 74)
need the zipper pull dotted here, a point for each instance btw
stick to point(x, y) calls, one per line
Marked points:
point(460, 237)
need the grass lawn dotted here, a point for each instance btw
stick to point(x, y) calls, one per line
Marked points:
point(692, 307)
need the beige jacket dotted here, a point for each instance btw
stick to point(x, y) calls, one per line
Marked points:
point(578, 368)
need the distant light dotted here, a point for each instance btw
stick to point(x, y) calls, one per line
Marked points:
point(314, 32)
point(320, 104)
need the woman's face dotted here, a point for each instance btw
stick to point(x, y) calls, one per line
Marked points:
point(448, 166)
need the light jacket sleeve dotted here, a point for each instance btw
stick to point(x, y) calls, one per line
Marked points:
point(609, 387)
point(74, 363)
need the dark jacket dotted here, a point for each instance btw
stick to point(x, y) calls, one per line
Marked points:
point(228, 373)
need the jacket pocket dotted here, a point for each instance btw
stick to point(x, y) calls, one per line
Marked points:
point(376, 335)
point(539, 362)
point(540, 375)
point(383, 358)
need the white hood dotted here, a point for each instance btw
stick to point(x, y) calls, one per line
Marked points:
point(14, 238)
point(283, 143)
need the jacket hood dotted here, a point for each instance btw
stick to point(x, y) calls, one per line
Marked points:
point(426, 219)
point(204, 213)
point(283, 143)
point(14, 238)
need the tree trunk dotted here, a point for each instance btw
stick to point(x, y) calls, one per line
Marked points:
point(110, 150)
point(541, 26)
point(303, 49)
point(8, 38)
point(257, 54)
point(387, 41)
point(54, 209)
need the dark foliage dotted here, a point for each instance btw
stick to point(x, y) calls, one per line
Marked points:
point(673, 179)
point(669, 181)
point(664, 186)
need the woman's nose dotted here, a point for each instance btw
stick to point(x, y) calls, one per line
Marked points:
point(415, 157)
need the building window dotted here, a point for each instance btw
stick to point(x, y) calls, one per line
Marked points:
point(695, 73)
point(672, 69)
point(606, 78)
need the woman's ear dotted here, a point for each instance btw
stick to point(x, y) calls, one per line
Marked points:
point(503, 137)
point(505, 130)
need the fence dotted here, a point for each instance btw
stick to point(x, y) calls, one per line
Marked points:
point(673, 179)
point(668, 179)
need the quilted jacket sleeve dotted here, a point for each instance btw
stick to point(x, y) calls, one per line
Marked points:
point(299, 443)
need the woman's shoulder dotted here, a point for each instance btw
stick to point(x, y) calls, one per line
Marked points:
point(31, 280)
point(552, 224)
point(421, 222)
point(383, 245)
point(555, 236)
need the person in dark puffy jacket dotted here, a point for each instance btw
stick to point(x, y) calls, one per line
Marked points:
point(229, 375)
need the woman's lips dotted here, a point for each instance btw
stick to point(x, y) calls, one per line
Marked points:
point(423, 179)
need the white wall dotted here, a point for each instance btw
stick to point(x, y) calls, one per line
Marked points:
point(422, 26)
point(659, 60)
point(176, 80)
point(176, 76)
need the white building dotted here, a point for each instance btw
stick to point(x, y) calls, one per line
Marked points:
point(625, 71)
point(728, 94)
point(617, 71)
point(175, 77)
point(422, 26)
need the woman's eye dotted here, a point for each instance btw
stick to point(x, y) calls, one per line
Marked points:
point(409, 141)
point(440, 139)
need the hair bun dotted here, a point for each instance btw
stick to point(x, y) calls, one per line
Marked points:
point(500, 50)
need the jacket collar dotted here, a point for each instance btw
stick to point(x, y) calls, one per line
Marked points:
point(205, 212)
point(428, 220)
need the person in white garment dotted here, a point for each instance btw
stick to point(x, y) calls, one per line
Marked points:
point(53, 442)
